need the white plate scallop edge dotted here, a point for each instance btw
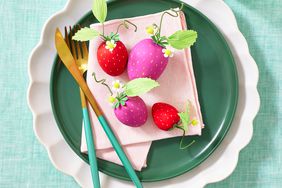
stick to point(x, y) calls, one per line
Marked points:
point(216, 168)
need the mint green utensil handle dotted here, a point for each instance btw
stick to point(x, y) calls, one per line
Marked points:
point(91, 149)
point(127, 165)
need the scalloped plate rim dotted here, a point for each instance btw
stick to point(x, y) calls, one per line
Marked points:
point(198, 177)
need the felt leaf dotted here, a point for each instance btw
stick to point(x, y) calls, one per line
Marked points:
point(158, 35)
point(154, 38)
point(139, 86)
point(115, 37)
point(112, 34)
point(99, 9)
point(182, 39)
point(122, 95)
point(162, 44)
point(163, 38)
point(85, 34)
point(184, 119)
point(116, 105)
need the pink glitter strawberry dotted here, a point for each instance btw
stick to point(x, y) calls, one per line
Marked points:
point(146, 60)
point(149, 57)
point(129, 108)
point(133, 113)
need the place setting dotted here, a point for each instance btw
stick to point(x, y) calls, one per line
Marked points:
point(144, 91)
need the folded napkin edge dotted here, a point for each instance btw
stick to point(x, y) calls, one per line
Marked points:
point(113, 21)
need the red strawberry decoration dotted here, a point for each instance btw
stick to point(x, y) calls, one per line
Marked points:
point(167, 117)
point(112, 54)
point(112, 62)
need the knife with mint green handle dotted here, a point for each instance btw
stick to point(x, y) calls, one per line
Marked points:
point(69, 61)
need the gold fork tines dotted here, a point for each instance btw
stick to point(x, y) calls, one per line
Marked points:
point(78, 49)
point(72, 44)
point(84, 48)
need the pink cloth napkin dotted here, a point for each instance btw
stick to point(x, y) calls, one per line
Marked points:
point(177, 86)
point(136, 153)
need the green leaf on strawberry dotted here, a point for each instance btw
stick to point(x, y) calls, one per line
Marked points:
point(185, 118)
point(182, 39)
point(121, 99)
point(85, 34)
point(112, 36)
point(99, 9)
point(116, 105)
point(139, 86)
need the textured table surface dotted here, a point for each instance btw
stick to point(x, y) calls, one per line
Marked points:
point(24, 162)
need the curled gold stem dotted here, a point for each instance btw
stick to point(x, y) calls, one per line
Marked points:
point(124, 24)
point(173, 15)
point(103, 82)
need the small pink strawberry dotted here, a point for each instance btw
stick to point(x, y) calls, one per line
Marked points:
point(149, 57)
point(146, 60)
point(129, 108)
point(133, 113)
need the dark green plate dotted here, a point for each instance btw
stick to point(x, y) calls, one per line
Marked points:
point(217, 85)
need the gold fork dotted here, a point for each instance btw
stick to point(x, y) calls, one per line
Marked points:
point(80, 54)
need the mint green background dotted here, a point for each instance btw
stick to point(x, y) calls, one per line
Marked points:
point(24, 162)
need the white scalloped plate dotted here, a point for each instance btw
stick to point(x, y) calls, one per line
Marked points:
point(217, 167)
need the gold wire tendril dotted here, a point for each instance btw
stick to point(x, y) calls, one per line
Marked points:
point(174, 10)
point(103, 82)
point(124, 24)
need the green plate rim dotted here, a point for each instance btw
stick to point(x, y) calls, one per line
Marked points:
point(228, 125)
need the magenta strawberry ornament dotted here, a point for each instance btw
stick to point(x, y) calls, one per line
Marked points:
point(112, 54)
point(158, 49)
point(129, 108)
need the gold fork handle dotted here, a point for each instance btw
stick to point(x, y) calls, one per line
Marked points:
point(79, 78)
point(82, 98)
